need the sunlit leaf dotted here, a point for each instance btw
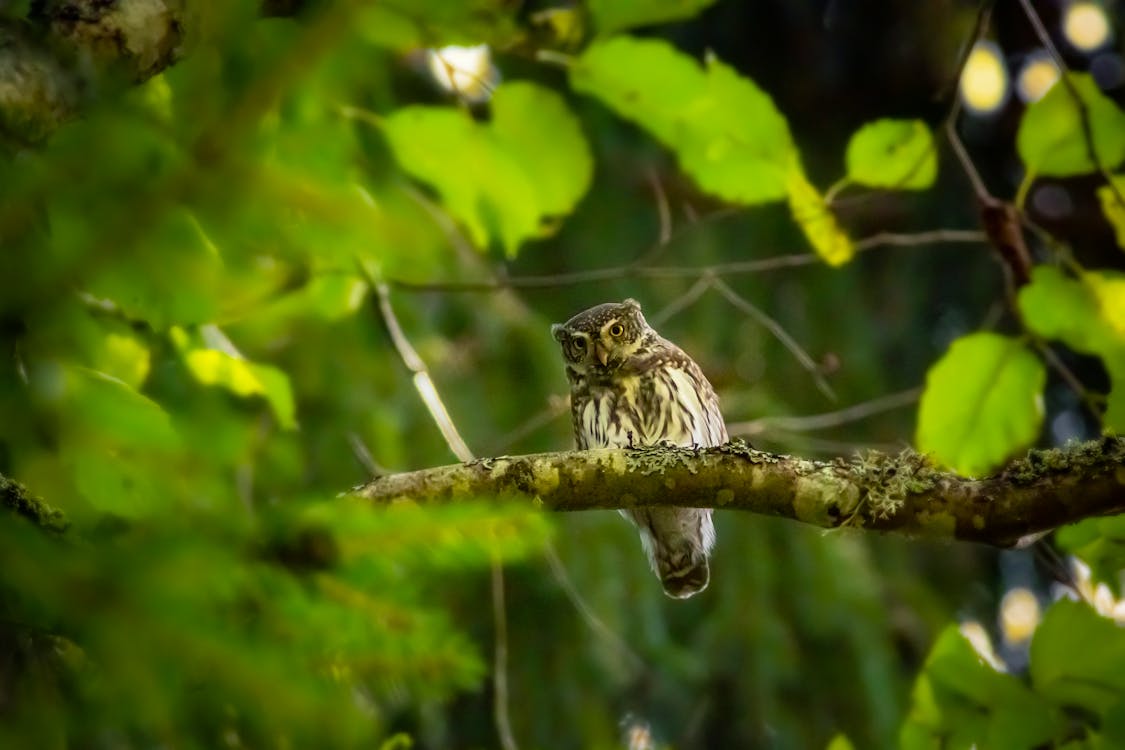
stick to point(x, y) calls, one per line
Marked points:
point(1086, 314)
point(818, 222)
point(982, 403)
point(501, 179)
point(893, 154)
point(243, 378)
point(536, 127)
point(1114, 208)
point(1052, 140)
point(615, 15)
point(1091, 677)
point(726, 132)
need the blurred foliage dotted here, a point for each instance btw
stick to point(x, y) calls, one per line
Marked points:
point(193, 369)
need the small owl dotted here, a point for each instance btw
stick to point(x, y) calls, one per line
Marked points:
point(630, 387)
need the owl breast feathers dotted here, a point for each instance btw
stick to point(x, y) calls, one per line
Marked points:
point(631, 387)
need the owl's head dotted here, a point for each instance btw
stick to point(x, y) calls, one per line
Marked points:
point(599, 340)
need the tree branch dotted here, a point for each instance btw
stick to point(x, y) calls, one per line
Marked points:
point(16, 498)
point(901, 493)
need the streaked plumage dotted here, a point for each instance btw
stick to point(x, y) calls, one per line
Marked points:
point(631, 387)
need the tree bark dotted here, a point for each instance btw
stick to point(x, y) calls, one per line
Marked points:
point(903, 493)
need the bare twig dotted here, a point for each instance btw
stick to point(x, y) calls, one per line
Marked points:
point(430, 397)
point(591, 618)
point(684, 301)
point(966, 162)
point(827, 420)
point(663, 211)
point(760, 265)
point(500, 711)
point(423, 383)
point(779, 333)
point(363, 456)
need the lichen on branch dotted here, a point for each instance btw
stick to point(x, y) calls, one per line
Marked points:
point(900, 493)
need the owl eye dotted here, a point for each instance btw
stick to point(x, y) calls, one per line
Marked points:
point(578, 343)
point(616, 329)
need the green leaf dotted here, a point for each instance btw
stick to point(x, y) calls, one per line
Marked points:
point(726, 132)
point(1086, 314)
point(893, 154)
point(537, 129)
point(213, 367)
point(840, 742)
point(179, 282)
point(614, 15)
point(113, 439)
point(500, 179)
point(1113, 207)
point(100, 403)
point(960, 701)
point(1090, 677)
point(983, 402)
point(1051, 139)
point(1098, 542)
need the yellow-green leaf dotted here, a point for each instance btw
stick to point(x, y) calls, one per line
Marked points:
point(1088, 315)
point(614, 15)
point(1052, 140)
point(893, 154)
point(818, 222)
point(726, 132)
point(213, 367)
point(500, 179)
point(982, 403)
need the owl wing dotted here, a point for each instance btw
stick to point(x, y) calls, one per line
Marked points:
point(678, 405)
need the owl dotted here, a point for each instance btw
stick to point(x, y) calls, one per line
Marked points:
point(631, 387)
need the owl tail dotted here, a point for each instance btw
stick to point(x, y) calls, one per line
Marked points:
point(677, 541)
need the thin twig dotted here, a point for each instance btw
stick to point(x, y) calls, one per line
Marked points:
point(779, 333)
point(500, 711)
point(662, 209)
point(1067, 376)
point(423, 383)
point(560, 573)
point(760, 265)
point(827, 420)
point(363, 456)
point(684, 301)
point(966, 162)
point(430, 397)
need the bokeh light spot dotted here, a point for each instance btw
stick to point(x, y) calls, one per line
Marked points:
point(1019, 615)
point(1038, 74)
point(984, 81)
point(1085, 26)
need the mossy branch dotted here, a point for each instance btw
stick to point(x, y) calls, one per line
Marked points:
point(66, 51)
point(17, 499)
point(900, 493)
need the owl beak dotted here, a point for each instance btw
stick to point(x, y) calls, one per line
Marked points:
point(602, 354)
